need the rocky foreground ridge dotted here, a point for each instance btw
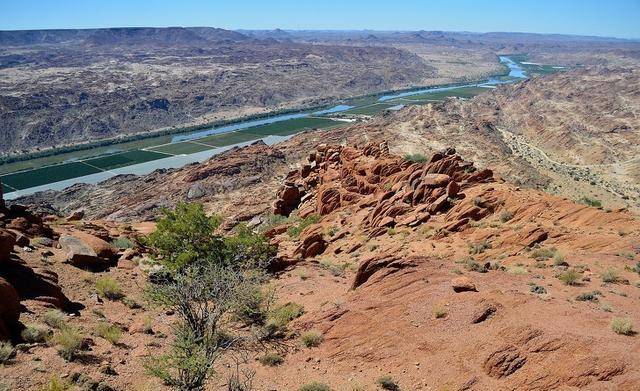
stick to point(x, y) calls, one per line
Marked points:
point(431, 270)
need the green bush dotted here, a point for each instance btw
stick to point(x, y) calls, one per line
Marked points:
point(271, 359)
point(387, 383)
point(284, 314)
point(109, 288)
point(55, 319)
point(110, 332)
point(570, 277)
point(253, 308)
point(69, 340)
point(185, 235)
point(36, 334)
point(122, 242)
point(311, 338)
point(6, 352)
point(592, 202)
point(315, 386)
point(415, 158)
point(623, 326)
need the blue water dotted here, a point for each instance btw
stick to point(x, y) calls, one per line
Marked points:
point(515, 71)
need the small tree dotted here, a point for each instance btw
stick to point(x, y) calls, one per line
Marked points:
point(208, 278)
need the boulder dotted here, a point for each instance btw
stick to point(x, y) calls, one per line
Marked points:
point(7, 241)
point(87, 251)
point(463, 284)
point(9, 309)
point(76, 215)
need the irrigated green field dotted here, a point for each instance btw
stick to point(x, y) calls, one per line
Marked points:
point(185, 147)
point(462, 92)
point(50, 174)
point(123, 159)
point(224, 139)
point(289, 127)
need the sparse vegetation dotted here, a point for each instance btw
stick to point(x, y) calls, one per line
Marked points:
point(471, 265)
point(315, 386)
point(543, 253)
point(387, 383)
point(110, 332)
point(122, 242)
point(6, 352)
point(36, 334)
point(69, 340)
point(55, 384)
point(622, 326)
point(295, 230)
point(284, 314)
point(311, 338)
point(131, 303)
point(109, 288)
point(595, 203)
point(569, 277)
point(517, 270)
point(479, 248)
point(415, 158)
point(55, 319)
point(439, 312)
point(610, 276)
point(271, 359)
point(505, 216)
point(588, 296)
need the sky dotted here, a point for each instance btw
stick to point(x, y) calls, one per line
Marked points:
point(613, 18)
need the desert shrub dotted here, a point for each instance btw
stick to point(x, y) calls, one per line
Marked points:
point(337, 270)
point(623, 326)
point(387, 383)
point(570, 277)
point(471, 265)
point(479, 248)
point(595, 203)
point(439, 312)
point(505, 216)
point(122, 242)
point(610, 275)
point(271, 359)
point(282, 315)
point(517, 270)
point(295, 230)
point(543, 253)
point(538, 289)
point(311, 338)
point(253, 307)
point(131, 303)
point(55, 319)
point(110, 332)
point(558, 259)
point(588, 296)
point(209, 278)
point(315, 386)
point(56, 384)
point(36, 334)
point(69, 341)
point(415, 158)
point(606, 307)
point(6, 351)
point(109, 288)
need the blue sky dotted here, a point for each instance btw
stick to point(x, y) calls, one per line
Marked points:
point(618, 18)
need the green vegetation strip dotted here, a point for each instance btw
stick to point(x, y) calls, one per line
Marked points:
point(185, 147)
point(124, 159)
point(50, 174)
point(224, 139)
point(289, 127)
point(370, 110)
